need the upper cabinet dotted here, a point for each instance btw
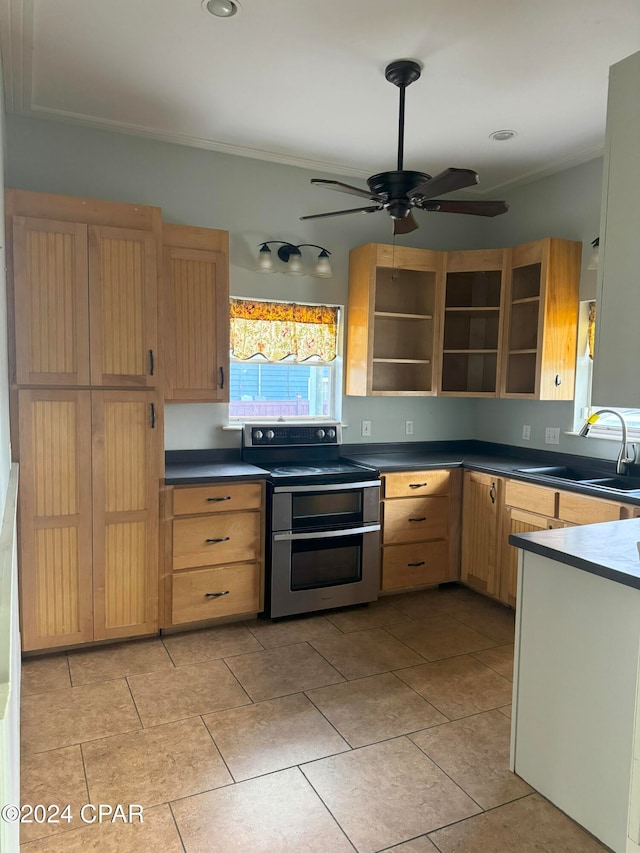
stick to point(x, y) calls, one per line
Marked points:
point(196, 313)
point(616, 379)
point(392, 321)
point(84, 291)
point(474, 292)
point(479, 323)
point(541, 320)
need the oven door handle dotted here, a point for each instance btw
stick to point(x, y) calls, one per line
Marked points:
point(329, 487)
point(327, 534)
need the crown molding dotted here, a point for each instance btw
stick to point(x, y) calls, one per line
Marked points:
point(551, 169)
point(16, 48)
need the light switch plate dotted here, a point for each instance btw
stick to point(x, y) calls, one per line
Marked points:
point(552, 435)
point(408, 427)
point(526, 432)
point(366, 429)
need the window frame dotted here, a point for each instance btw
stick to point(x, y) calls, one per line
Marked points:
point(334, 366)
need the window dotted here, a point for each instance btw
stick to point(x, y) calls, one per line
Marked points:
point(608, 426)
point(284, 361)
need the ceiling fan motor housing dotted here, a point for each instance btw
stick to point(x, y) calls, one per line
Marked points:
point(395, 187)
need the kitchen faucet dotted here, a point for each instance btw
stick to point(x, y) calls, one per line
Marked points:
point(623, 459)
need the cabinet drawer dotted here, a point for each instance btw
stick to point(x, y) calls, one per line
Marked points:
point(417, 564)
point(536, 499)
point(583, 510)
point(408, 484)
point(415, 519)
point(190, 601)
point(217, 498)
point(237, 535)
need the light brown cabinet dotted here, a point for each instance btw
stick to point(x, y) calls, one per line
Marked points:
point(84, 304)
point(420, 528)
point(214, 552)
point(196, 313)
point(88, 515)
point(478, 323)
point(482, 498)
point(541, 320)
point(392, 321)
point(473, 312)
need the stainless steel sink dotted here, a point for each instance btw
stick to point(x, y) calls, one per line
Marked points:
point(562, 472)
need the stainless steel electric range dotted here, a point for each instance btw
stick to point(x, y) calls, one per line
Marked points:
point(323, 539)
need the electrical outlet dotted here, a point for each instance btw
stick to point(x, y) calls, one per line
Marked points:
point(366, 429)
point(526, 432)
point(408, 427)
point(552, 435)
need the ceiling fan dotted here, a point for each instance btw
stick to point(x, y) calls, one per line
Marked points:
point(401, 191)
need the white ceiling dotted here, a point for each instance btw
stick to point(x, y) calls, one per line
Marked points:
point(302, 81)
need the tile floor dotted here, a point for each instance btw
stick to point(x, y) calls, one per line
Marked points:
point(377, 728)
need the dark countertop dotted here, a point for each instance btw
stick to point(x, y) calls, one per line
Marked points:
point(192, 473)
point(610, 550)
point(190, 467)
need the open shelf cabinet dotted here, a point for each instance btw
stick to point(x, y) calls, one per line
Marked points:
point(541, 320)
point(472, 323)
point(392, 321)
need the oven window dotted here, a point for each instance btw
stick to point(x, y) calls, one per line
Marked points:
point(317, 563)
point(327, 508)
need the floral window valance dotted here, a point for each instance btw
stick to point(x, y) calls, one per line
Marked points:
point(277, 330)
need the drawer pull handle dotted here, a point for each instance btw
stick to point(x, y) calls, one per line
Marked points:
point(214, 541)
point(421, 563)
point(417, 485)
point(422, 518)
point(492, 493)
point(216, 500)
point(216, 594)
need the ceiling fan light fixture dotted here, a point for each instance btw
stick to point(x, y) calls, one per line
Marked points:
point(221, 8)
point(503, 135)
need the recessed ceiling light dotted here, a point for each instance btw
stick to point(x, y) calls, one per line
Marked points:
point(502, 135)
point(221, 8)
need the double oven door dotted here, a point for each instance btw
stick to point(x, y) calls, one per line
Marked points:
point(325, 546)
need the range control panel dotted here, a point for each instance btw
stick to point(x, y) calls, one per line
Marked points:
point(291, 435)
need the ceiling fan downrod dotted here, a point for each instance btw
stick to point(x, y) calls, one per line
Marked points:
point(402, 73)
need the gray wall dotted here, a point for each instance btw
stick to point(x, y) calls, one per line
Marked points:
point(256, 201)
point(5, 443)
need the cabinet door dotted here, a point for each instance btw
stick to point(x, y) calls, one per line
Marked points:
point(197, 293)
point(516, 521)
point(123, 307)
point(126, 455)
point(55, 518)
point(51, 302)
point(481, 499)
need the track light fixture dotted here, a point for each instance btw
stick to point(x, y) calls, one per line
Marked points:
point(291, 255)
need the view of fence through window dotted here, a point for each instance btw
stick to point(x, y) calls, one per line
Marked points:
point(260, 389)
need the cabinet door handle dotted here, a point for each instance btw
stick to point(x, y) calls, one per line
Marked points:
point(421, 563)
point(417, 485)
point(422, 518)
point(153, 415)
point(216, 500)
point(558, 380)
point(222, 377)
point(214, 541)
point(151, 363)
point(492, 493)
point(216, 594)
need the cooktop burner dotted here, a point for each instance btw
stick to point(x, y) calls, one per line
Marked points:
point(295, 470)
point(324, 469)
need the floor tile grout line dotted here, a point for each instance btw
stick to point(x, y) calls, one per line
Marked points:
point(321, 712)
point(134, 702)
point(84, 770)
point(218, 750)
point(175, 823)
point(338, 824)
point(239, 683)
point(421, 696)
point(486, 812)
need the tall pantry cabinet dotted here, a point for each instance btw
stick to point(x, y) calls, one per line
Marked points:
point(88, 432)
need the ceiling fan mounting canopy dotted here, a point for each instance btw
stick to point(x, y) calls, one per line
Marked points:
point(400, 191)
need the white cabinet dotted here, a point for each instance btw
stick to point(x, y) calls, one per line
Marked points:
point(616, 379)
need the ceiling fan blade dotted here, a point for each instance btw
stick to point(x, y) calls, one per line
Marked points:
point(343, 212)
point(406, 225)
point(445, 182)
point(475, 208)
point(346, 188)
